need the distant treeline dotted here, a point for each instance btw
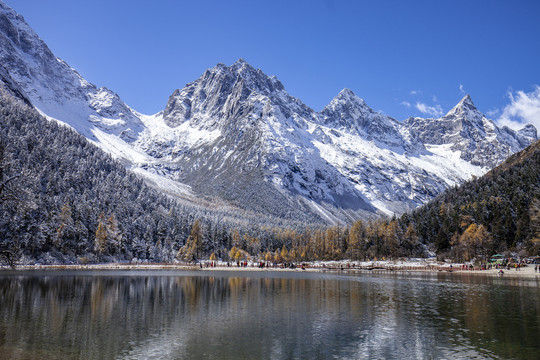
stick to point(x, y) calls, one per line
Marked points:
point(499, 212)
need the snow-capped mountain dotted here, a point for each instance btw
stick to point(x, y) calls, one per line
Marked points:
point(350, 114)
point(467, 131)
point(235, 134)
point(56, 89)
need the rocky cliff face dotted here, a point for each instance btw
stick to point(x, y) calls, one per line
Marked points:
point(237, 135)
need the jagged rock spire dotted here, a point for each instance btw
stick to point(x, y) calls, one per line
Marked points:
point(465, 108)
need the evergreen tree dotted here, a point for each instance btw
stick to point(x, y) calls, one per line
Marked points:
point(114, 235)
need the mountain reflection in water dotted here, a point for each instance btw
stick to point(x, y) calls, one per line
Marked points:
point(265, 315)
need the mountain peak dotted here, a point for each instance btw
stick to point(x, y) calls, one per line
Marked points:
point(348, 96)
point(222, 91)
point(346, 92)
point(255, 79)
point(529, 133)
point(465, 108)
point(241, 65)
point(467, 100)
point(350, 113)
point(240, 61)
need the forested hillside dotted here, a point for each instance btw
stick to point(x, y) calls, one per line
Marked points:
point(495, 213)
point(64, 200)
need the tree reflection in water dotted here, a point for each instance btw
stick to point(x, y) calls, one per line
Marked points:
point(264, 315)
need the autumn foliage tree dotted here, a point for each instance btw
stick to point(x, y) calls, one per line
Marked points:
point(100, 242)
point(473, 243)
point(355, 250)
point(192, 249)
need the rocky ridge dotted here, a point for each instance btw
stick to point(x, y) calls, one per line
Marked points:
point(235, 134)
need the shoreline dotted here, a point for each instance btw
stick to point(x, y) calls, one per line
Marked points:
point(334, 267)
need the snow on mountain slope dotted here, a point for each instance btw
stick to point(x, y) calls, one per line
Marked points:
point(344, 157)
point(467, 131)
point(56, 89)
point(395, 182)
point(235, 134)
point(350, 114)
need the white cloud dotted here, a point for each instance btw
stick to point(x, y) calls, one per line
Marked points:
point(415, 92)
point(406, 103)
point(429, 110)
point(492, 113)
point(461, 90)
point(434, 98)
point(524, 108)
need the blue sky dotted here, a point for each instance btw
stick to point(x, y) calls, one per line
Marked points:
point(404, 58)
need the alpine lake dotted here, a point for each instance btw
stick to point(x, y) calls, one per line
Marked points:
point(169, 314)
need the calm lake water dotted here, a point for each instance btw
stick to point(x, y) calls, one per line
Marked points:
point(266, 315)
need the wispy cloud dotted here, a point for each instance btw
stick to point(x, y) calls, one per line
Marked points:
point(492, 113)
point(524, 108)
point(406, 104)
point(415, 92)
point(461, 89)
point(429, 110)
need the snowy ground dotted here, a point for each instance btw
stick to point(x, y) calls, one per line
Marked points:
point(402, 266)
